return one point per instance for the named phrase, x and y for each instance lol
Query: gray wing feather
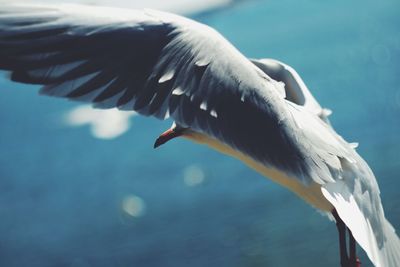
(161, 65)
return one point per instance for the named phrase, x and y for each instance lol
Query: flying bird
(168, 66)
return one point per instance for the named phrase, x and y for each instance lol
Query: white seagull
(164, 65)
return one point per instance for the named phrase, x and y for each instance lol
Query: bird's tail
(358, 204)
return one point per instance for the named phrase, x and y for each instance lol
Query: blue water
(61, 190)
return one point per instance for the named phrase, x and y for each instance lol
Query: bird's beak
(168, 135)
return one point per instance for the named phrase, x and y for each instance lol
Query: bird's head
(171, 133)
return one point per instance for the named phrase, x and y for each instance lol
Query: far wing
(295, 89)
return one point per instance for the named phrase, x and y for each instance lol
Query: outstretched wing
(157, 64)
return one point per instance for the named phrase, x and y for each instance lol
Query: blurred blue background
(68, 199)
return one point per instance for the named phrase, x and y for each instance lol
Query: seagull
(167, 66)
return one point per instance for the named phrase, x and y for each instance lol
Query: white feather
(366, 222)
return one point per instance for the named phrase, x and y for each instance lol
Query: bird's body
(159, 64)
(311, 193)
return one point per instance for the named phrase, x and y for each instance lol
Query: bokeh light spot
(133, 206)
(104, 124)
(193, 175)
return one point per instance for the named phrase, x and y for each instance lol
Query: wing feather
(349, 185)
(157, 64)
